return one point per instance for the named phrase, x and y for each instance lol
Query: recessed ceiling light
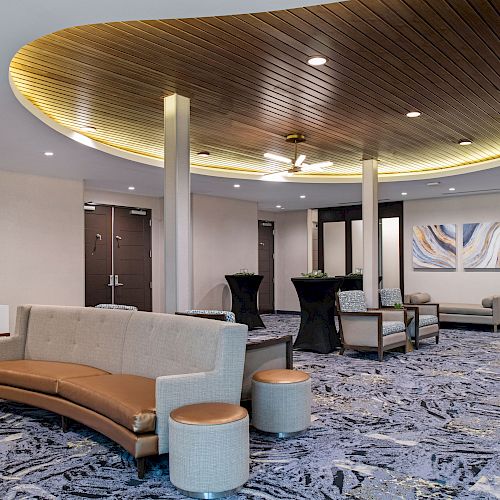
(271, 156)
(413, 114)
(48, 153)
(204, 153)
(89, 129)
(278, 206)
(236, 186)
(404, 194)
(464, 142)
(131, 188)
(282, 208)
(451, 189)
(302, 196)
(433, 183)
(316, 61)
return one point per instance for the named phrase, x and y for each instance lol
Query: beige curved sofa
(120, 372)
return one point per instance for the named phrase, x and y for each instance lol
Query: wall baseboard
(293, 313)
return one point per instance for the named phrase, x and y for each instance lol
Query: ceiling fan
(297, 164)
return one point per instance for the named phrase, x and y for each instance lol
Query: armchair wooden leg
(495, 328)
(380, 354)
(65, 423)
(437, 339)
(417, 342)
(341, 352)
(141, 467)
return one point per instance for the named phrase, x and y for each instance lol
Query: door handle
(111, 280)
(117, 281)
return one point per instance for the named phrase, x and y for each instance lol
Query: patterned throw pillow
(352, 301)
(390, 296)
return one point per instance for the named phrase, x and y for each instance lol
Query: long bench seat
(120, 372)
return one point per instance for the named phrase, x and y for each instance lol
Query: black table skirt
(317, 332)
(244, 299)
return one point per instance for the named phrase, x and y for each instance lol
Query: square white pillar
(370, 231)
(177, 205)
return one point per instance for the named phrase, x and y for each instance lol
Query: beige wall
(156, 207)
(459, 285)
(224, 241)
(41, 241)
(291, 246)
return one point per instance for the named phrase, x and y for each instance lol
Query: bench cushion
(42, 376)
(474, 309)
(128, 400)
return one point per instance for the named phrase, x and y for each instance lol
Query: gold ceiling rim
(229, 168)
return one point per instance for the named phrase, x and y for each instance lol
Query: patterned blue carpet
(417, 426)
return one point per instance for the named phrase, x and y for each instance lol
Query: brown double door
(266, 266)
(118, 256)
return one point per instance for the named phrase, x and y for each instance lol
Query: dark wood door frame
(354, 212)
(266, 269)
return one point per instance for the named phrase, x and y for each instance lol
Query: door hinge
(151, 285)
(151, 254)
(150, 223)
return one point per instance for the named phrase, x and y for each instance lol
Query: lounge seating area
(249, 250)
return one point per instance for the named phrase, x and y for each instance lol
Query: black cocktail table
(317, 332)
(244, 290)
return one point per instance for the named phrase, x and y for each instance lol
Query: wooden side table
(4, 334)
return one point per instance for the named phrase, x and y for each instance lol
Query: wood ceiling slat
(249, 84)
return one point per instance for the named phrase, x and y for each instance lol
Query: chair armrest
(375, 313)
(496, 309)
(174, 391)
(427, 308)
(394, 315)
(11, 348)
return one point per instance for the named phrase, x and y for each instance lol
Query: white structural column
(177, 205)
(370, 231)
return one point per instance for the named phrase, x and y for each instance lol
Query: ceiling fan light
(282, 159)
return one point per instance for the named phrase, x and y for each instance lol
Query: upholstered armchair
(425, 317)
(363, 329)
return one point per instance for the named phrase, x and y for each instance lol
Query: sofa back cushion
(181, 344)
(81, 335)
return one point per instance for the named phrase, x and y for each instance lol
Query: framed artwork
(435, 247)
(481, 245)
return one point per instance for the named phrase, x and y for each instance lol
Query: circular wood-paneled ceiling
(250, 84)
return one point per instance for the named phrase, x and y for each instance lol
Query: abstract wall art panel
(481, 246)
(435, 247)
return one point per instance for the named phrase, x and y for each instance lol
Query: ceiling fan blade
(316, 167)
(281, 159)
(300, 160)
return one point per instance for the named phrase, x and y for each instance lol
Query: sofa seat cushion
(128, 400)
(475, 309)
(42, 376)
(427, 320)
(389, 327)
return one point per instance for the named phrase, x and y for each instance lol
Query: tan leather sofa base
(138, 445)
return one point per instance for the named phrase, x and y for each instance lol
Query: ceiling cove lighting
(451, 189)
(316, 61)
(302, 196)
(204, 153)
(48, 153)
(271, 156)
(413, 114)
(131, 188)
(464, 142)
(236, 186)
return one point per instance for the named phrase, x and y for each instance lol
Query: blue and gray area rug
(417, 426)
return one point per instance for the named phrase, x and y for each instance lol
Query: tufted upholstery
(390, 296)
(352, 301)
(230, 317)
(427, 319)
(120, 307)
(390, 327)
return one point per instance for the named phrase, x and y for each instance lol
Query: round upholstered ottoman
(281, 401)
(208, 449)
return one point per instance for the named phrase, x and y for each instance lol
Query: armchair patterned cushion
(366, 329)
(116, 306)
(425, 315)
(228, 315)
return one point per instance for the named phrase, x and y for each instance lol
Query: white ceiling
(23, 138)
